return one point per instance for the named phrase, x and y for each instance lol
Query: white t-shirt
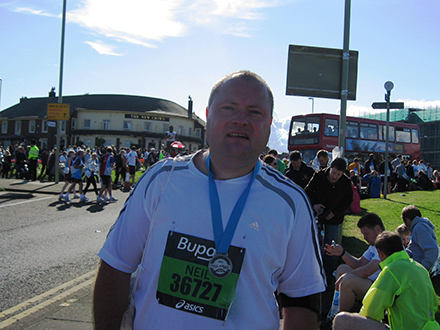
(370, 254)
(131, 157)
(276, 229)
(171, 136)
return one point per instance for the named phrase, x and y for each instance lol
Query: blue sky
(174, 48)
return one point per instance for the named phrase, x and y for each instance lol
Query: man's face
(335, 175)
(370, 234)
(296, 164)
(323, 160)
(239, 119)
(407, 222)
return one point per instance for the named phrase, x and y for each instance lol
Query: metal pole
(60, 96)
(388, 87)
(313, 103)
(344, 80)
(386, 170)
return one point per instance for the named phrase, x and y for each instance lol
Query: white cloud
(421, 104)
(146, 22)
(133, 21)
(102, 48)
(279, 134)
(34, 12)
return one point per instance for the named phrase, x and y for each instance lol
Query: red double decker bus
(312, 132)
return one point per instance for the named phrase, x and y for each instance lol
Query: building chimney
(52, 92)
(190, 107)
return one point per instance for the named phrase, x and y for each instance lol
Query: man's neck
(223, 169)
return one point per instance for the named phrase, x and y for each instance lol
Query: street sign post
(384, 105)
(387, 105)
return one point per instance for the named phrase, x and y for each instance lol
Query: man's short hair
(249, 75)
(410, 212)
(340, 164)
(370, 220)
(295, 155)
(322, 153)
(388, 242)
(273, 152)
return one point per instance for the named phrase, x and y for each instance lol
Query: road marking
(83, 283)
(27, 201)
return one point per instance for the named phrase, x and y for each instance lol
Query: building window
(128, 144)
(180, 130)
(87, 142)
(127, 125)
(198, 132)
(106, 125)
(31, 126)
(43, 143)
(166, 127)
(63, 126)
(44, 126)
(73, 123)
(86, 123)
(17, 127)
(190, 131)
(4, 127)
(147, 126)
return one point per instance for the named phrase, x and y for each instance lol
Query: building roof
(37, 107)
(408, 114)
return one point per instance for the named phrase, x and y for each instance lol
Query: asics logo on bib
(200, 251)
(189, 307)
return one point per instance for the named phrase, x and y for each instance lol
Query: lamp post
(388, 87)
(313, 103)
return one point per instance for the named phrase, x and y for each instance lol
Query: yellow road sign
(58, 111)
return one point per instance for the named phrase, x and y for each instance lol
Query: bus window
(331, 127)
(368, 131)
(305, 125)
(403, 134)
(352, 130)
(415, 135)
(382, 133)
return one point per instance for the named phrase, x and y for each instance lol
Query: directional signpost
(384, 105)
(387, 105)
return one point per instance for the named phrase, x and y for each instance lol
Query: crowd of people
(79, 165)
(256, 237)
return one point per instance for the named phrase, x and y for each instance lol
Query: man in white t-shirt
(132, 159)
(171, 137)
(355, 277)
(193, 274)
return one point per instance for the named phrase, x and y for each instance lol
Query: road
(45, 243)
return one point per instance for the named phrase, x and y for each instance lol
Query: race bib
(185, 282)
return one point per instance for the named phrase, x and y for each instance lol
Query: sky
(171, 49)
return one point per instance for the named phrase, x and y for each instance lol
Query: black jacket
(336, 197)
(302, 176)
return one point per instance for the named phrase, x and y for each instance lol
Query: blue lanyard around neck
(223, 239)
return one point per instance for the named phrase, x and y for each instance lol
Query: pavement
(68, 307)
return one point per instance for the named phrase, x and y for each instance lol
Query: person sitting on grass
(403, 289)
(355, 277)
